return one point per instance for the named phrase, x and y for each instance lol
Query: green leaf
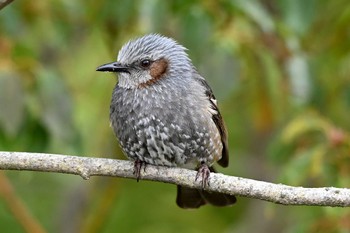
(56, 104)
(11, 103)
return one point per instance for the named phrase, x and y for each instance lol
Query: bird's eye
(145, 63)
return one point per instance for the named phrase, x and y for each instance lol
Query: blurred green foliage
(281, 72)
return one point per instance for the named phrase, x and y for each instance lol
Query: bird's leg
(137, 168)
(204, 173)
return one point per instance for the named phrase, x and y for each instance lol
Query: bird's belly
(155, 142)
(162, 131)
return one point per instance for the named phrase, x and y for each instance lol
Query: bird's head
(146, 60)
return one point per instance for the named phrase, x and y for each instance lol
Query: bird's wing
(217, 118)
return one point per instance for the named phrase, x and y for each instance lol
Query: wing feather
(217, 118)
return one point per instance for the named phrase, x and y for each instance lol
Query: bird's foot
(138, 164)
(204, 173)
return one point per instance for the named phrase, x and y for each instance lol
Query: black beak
(113, 67)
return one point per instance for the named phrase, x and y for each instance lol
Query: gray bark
(86, 167)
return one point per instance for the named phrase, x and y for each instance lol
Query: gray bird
(164, 113)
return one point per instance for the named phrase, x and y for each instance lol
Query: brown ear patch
(158, 68)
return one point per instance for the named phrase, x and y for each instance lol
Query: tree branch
(86, 167)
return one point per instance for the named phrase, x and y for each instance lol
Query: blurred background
(280, 70)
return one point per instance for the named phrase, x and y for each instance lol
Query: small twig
(86, 167)
(4, 3)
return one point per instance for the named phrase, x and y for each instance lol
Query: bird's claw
(138, 164)
(204, 173)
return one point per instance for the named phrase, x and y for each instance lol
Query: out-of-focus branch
(17, 207)
(4, 3)
(86, 167)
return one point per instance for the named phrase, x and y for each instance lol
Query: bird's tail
(189, 198)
